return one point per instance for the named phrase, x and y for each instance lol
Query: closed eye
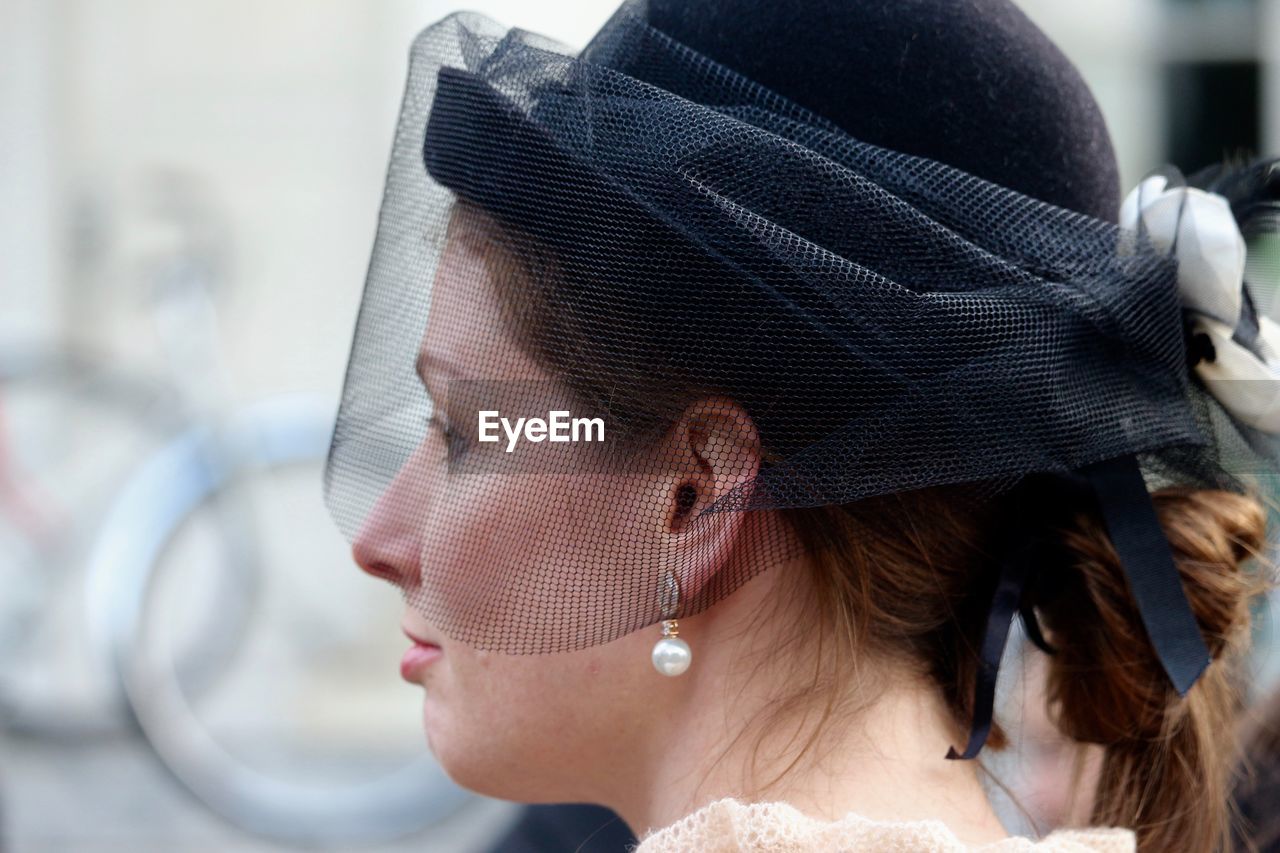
(452, 439)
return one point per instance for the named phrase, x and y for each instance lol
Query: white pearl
(672, 656)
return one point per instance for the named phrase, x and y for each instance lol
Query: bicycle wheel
(70, 431)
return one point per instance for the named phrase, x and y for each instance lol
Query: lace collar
(731, 826)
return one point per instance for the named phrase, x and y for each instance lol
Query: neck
(880, 754)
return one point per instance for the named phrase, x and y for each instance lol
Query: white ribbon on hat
(1206, 241)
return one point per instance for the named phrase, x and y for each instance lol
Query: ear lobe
(719, 448)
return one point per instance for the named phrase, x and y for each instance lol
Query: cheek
(525, 563)
(532, 563)
(530, 728)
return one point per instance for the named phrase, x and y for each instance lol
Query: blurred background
(188, 196)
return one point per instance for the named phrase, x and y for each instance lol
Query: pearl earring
(671, 655)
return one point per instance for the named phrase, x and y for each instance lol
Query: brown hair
(908, 577)
(923, 587)
(1169, 760)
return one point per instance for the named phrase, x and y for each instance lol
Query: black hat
(971, 83)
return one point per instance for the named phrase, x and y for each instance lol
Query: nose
(389, 544)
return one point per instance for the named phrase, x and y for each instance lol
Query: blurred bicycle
(169, 569)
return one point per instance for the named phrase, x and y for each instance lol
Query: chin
(465, 762)
(491, 767)
(498, 781)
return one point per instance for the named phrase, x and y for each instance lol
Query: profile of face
(499, 551)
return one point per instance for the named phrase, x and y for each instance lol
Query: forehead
(465, 323)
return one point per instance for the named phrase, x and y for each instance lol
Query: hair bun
(1106, 685)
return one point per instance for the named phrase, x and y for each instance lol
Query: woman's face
(503, 551)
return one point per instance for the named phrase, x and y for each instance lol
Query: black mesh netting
(742, 294)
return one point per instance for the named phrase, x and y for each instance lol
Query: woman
(807, 335)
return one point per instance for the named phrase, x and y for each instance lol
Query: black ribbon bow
(1115, 486)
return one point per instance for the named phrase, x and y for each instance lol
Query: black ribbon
(1008, 600)
(1116, 488)
(1148, 563)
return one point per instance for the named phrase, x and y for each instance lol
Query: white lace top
(731, 826)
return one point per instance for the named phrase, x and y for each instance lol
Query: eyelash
(450, 436)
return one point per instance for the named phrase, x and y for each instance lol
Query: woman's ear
(715, 449)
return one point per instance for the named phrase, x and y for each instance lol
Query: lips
(416, 660)
(420, 640)
(418, 657)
